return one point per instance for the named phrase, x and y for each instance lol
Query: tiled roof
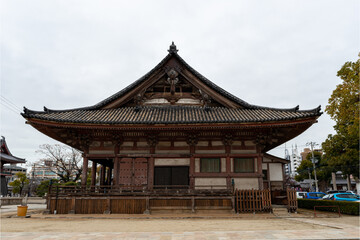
(171, 115)
(10, 159)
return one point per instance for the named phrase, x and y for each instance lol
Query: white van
(300, 194)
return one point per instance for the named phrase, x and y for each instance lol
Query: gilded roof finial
(172, 48)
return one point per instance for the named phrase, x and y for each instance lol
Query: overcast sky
(69, 54)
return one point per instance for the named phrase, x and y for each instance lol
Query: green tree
(342, 149)
(323, 170)
(43, 187)
(19, 183)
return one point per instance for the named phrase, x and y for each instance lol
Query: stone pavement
(333, 228)
(199, 235)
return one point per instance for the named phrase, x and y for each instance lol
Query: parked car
(314, 195)
(335, 191)
(350, 192)
(345, 197)
(327, 197)
(301, 194)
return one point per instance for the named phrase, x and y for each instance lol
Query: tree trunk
(333, 176)
(348, 182)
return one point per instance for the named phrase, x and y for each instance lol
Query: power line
(10, 108)
(10, 103)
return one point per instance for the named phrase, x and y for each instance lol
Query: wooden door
(140, 171)
(126, 171)
(133, 172)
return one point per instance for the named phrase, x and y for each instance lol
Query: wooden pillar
(259, 171)
(192, 166)
(151, 165)
(102, 175)
(228, 166)
(283, 176)
(152, 141)
(84, 171)
(116, 171)
(93, 173)
(108, 176)
(116, 164)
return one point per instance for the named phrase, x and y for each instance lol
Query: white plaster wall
(197, 164)
(181, 144)
(249, 143)
(223, 164)
(242, 151)
(156, 101)
(246, 183)
(141, 144)
(203, 143)
(127, 144)
(163, 144)
(172, 161)
(210, 181)
(275, 170)
(134, 151)
(217, 143)
(108, 144)
(95, 144)
(210, 151)
(101, 151)
(264, 166)
(185, 151)
(188, 101)
(236, 143)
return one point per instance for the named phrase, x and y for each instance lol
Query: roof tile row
(171, 115)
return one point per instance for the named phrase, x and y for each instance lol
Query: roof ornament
(205, 99)
(172, 80)
(172, 48)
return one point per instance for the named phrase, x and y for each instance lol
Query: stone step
(280, 211)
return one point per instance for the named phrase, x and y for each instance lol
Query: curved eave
(222, 125)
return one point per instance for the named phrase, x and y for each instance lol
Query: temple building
(174, 127)
(8, 167)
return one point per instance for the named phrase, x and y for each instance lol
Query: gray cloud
(67, 54)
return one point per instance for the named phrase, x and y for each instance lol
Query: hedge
(351, 208)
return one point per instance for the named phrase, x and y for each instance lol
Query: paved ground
(183, 226)
(13, 208)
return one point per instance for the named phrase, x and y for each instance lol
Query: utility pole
(312, 144)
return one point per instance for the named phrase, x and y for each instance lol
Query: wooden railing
(108, 190)
(292, 203)
(252, 201)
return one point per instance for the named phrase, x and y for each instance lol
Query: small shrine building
(174, 127)
(6, 157)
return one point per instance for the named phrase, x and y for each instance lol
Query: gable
(171, 83)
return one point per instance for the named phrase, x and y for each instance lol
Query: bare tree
(64, 161)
